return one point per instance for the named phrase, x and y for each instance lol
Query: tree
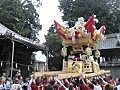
(20, 16)
(73, 9)
(114, 9)
(54, 45)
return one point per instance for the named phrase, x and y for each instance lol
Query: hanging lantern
(16, 65)
(31, 62)
(64, 51)
(97, 53)
(88, 51)
(1, 63)
(28, 68)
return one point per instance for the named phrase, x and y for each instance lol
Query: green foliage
(114, 9)
(85, 8)
(54, 45)
(21, 17)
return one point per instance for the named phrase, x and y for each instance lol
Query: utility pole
(47, 58)
(12, 58)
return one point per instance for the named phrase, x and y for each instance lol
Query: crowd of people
(101, 82)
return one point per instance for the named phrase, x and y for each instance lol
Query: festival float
(80, 55)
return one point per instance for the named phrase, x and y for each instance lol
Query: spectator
(109, 87)
(24, 84)
(34, 86)
(30, 82)
(118, 85)
(1, 85)
(48, 87)
(8, 84)
(16, 85)
(97, 85)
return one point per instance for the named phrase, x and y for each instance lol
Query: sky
(48, 12)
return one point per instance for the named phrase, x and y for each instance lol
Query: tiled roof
(110, 41)
(4, 31)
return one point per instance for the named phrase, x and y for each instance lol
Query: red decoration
(89, 26)
(102, 29)
(59, 30)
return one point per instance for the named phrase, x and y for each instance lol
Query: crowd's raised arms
(101, 82)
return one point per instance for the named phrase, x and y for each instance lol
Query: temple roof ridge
(4, 31)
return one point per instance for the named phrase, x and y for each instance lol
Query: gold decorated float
(78, 44)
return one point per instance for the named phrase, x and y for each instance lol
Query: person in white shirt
(1, 87)
(7, 84)
(96, 85)
(16, 86)
(117, 87)
(30, 82)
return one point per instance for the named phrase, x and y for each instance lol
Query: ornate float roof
(7, 33)
(83, 33)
